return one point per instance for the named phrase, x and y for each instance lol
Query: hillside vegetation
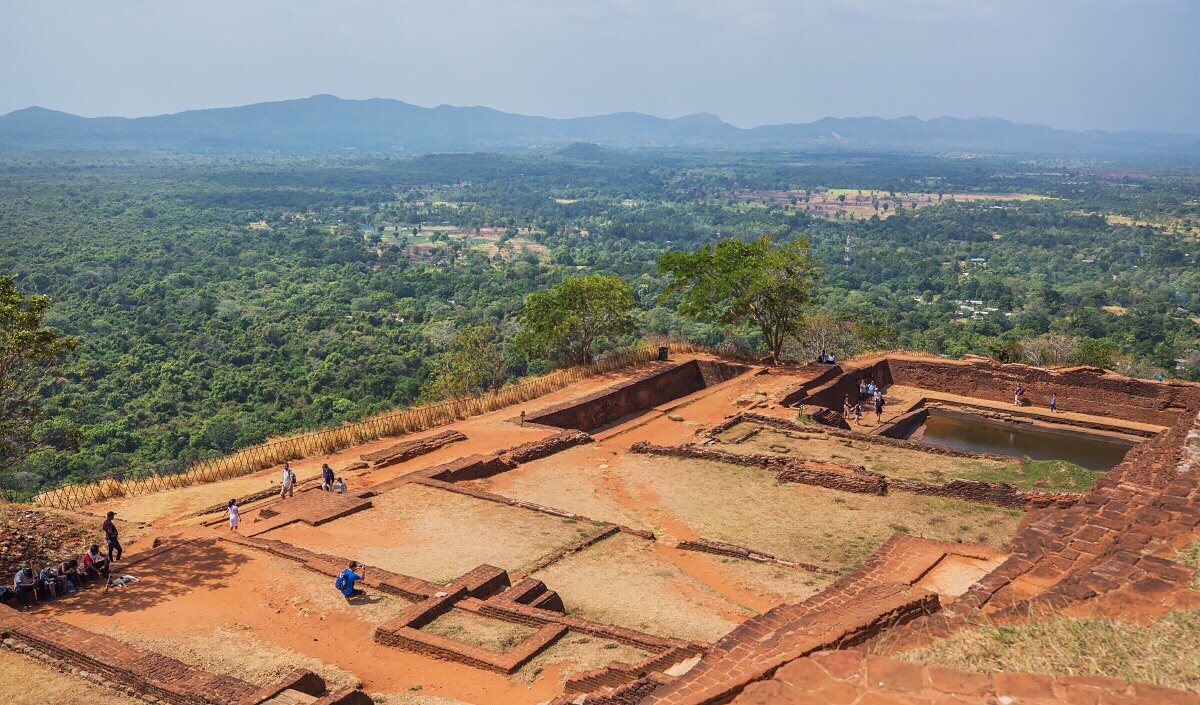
(221, 300)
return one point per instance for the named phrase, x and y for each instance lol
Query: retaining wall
(636, 395)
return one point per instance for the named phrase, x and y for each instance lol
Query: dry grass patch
(29, 682)
(477, 630)
(437, 535)
(578, 653)
(778, 583)
(573, 480)
(1163, 653)
(413, 699)
(622, 581)
(234, 650)
(802, 523)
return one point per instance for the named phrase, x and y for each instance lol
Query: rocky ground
(42, 536)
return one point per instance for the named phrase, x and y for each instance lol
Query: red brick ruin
(1113, 545)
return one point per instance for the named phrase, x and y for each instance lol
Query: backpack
(340, 583)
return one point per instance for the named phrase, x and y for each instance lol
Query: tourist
(339, 486)
(69, 570)
(846, 406)
(48, 582)
(832, 359)
(346, 580)
(878, 408)
(871, 388)
(287, 482)
(1018, 394)
(25, 584)
(234, 515)
(862, 389)
(1159, 376)
(522, 417)
(821, 358)
(858, 414)
(94, 565)
(1054, 403)
(110, 535)
(326, 478)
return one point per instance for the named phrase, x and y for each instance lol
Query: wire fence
(331, 440)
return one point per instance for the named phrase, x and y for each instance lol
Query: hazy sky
(1110, 64)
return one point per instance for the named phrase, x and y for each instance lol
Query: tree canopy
(566, 321)
(32, 358)
(755, 283)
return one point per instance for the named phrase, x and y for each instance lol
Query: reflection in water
(986, 435)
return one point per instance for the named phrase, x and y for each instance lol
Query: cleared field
(802, 523)
(574, 480)
(623, 581)
(437, 535)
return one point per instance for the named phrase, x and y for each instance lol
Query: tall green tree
(473, 362)
(755, 283)
(32, 358)
(565, 321)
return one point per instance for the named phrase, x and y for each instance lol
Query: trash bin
(662, 354)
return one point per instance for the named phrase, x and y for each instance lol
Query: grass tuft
(1163, 653)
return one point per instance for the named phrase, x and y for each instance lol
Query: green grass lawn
(1044, 475)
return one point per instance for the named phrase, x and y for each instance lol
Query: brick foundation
(407, 450)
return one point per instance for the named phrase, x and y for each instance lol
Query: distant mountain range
(327, 124)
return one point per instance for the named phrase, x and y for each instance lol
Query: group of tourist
(346, 580)
(68, 576)
(329, 483)
(824, 359)
(868, 393)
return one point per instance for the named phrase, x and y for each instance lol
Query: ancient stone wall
(1084, 389)
(407, 450)
(640, 394)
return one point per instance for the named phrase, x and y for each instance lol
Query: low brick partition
(859, 479)
(596, 536)
(786, 425)
(486, 591)
(854, 676)
(619, 675)
(836, 477)
(399, 585)
(407, 450)
(721, 548)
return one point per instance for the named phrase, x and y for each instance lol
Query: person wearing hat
(110, 534)
(25, 584)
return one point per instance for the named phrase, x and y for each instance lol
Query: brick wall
(640, 394)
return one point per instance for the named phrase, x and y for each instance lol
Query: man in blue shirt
(346, 580)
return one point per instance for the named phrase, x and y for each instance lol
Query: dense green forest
(219, 301)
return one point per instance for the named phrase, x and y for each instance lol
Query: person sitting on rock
(69, 570)
(50, 583)
(339, 485)
(95, 566)
(346, 580)
(26, 585)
